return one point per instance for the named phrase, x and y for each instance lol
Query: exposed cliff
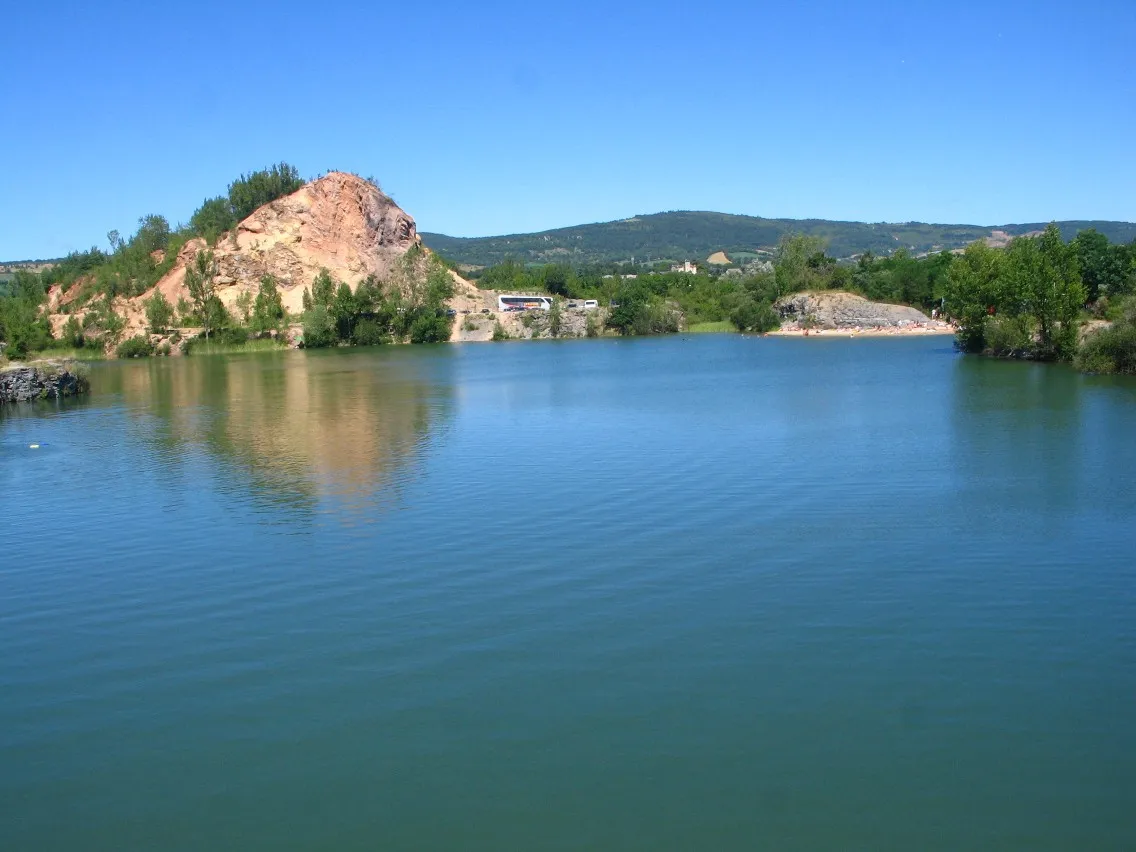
(339, 222)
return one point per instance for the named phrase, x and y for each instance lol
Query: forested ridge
(695, 235)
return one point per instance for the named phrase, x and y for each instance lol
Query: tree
(1058, 294)
(248, 192)
(153, 234)
(213, 218)
(555, 318)
(323, 289)
(159, 312)
(800, 264)
(243, 304)
(267, 309)
(319, 328)
(202, 291)
(972, 281)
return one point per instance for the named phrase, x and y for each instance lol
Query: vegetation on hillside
(693, 235)
(410, 308)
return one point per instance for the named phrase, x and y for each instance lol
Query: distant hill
(695, 235)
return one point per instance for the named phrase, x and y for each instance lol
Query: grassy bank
(213, 347)
(711, 327)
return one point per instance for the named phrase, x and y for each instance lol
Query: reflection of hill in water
(297, 425)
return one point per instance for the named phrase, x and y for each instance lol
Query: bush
(1008, 335)
(319, 328)
(1109, 350)
(428, 328)
(135, 347)
(231, 335)
(499, 332)
(752, 315)
(369, 332)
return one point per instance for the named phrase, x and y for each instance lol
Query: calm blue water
(657, 594)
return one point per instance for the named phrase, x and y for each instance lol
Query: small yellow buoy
(33, 446)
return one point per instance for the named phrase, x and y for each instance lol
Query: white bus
(524, 302)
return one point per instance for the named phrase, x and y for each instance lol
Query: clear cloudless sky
(487, 117)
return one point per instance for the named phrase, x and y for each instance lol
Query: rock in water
(41, 380)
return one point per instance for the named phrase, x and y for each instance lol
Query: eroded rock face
(847, 310)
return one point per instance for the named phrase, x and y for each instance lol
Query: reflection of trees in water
(294, 426)
(1018, 430)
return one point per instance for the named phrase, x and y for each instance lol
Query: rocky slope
(340, 222)
(835, 310)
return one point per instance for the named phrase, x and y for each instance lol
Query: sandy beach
(915, 330)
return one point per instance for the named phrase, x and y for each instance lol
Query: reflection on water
(290, 428)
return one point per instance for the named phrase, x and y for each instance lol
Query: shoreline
(872, 331)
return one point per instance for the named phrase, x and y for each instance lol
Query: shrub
(752, 315)
(428, 328)
(369, 332)
(499, 332)
(319, 328)
(135, 347)
(231, 335)
(1008, 335)
(1109, 350)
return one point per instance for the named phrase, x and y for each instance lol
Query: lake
(711, 592)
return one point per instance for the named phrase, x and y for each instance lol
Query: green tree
(319, 328)
(248, 192)
(1056, 294)
(202, 291)
(159, 312)
(214, 217)
(268, 308)
(972, 283)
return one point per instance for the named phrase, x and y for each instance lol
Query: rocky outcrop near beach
(837, 310)
(41, 380)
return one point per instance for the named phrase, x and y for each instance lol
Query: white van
(590, 303)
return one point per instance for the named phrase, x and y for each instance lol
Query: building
(685, 266)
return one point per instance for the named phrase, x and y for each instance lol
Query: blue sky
(486, 118)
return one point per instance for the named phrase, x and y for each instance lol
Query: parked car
(486, 311)
(450, 312)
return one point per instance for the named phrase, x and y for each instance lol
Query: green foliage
(72, 334)
(499, 332)
(319, 328)
(159, 313)
(1106, 269)
(1008, 335)
(1033, 288)
(750, 314)
(135, 347)
(1112, 349)
(972, 293)
(268, 308)
(22, 328)
(214, 217)
(370, 332)
(202, 291)
(248, 192)
(555, 318)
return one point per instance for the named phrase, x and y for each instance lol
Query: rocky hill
(340, 222)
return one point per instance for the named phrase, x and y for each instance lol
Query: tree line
(1030, 298)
